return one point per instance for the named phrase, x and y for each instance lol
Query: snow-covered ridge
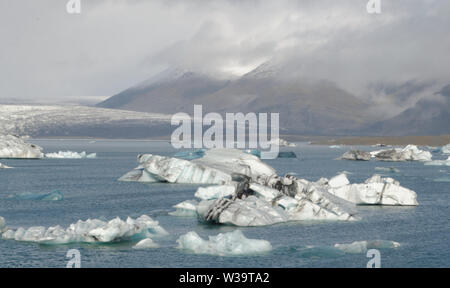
(31, 120)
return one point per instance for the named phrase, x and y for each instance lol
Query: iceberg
(186, 208)
(90, 231)
(356, 155)
(409, 153)
(2, 166)
(375, 191)
(70, 155)
(146, 243)
(217, 166)
(446, 149)
(53, 196)
(280, 199)
(362, 246)
(12, 146)
(248, 192)
(224, 244)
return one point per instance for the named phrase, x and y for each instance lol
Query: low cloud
(49, 54)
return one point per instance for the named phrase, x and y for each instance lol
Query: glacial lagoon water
(91, 190)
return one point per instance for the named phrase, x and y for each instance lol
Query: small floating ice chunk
(224, 244)
(362, 246)
(186, 208)
(356, 155)
(70, 155)
(2, 166)
(146, 243)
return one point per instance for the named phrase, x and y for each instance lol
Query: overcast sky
(47, 54)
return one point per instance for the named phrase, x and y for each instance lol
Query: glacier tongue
(15, 147)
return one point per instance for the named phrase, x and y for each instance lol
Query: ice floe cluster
(70, 155)
(89, 231)
(223, 244)
(16, 147)
(247, 192)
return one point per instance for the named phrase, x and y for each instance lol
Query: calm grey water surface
(91, 190)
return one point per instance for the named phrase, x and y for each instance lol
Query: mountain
(305, 106)
(427, 117)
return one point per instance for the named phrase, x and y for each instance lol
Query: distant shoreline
(438, 140)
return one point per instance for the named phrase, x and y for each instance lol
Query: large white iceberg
(217, 166)
(273, 200)
(70, 155)
(89, 231)
(374, 191)
(409, 153)
(224, 244)
(12, 146)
